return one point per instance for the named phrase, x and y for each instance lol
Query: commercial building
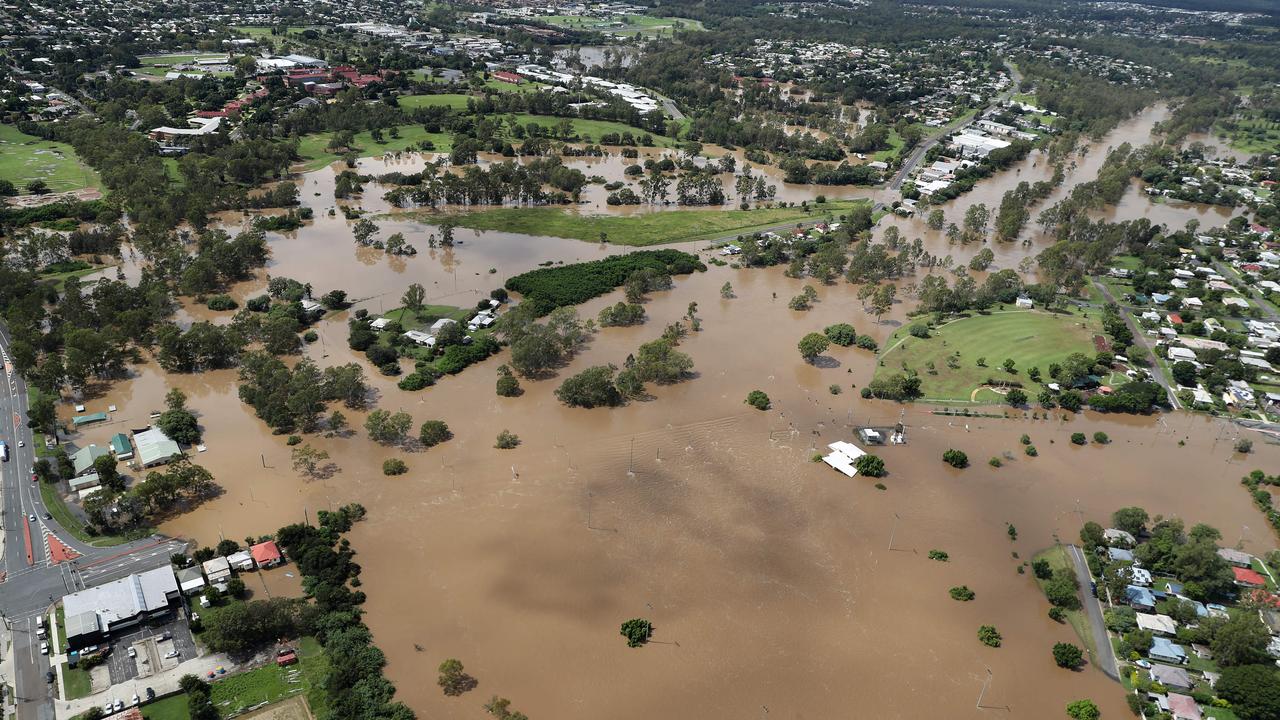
(95, 613)
(154, 447)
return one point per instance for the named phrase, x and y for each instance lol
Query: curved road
(1105, 659)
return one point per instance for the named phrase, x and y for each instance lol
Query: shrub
(955, 458)
(866, 342)
(222, 302)
(1067, 656)
(637, 631)
(961, 593)
(415, 381)
(434, 432)
(1016, 398)
(293, 440)
(813, 345)
(758, 400)
(1057, 614)
(995, 462)
(1244, 445)
(869, 466)
(989, 636)
(1101, 438)
(1083, 710)
(508, 385)
(1031, 451)
(1025, 439)
(939, 555)
(1078, 438)
(506, 440)
(841, 334)
(310, 336)
(834, 389)
(919, 330)
(394, 466)
(590, 388)
(1041, 568)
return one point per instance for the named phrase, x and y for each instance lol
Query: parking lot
(153, 652)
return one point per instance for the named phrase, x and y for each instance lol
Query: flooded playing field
(778, 587)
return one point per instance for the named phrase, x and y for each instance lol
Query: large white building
(98, 611)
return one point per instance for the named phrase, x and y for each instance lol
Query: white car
(133, 653)
(119, 705)
(22, 443)
(171, 654)
(135, 700)
(44, 648)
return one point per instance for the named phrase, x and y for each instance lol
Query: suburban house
(1165, 650)
(96, 612)
(240, 561)
(1236, 557)
(190, 580)
(1157, 624)
(218, 570)
(1120, 555)
(420, 338)
(1114, 536)
(1171, 677)
(1248, 577)
(1024, 302)
(267, 554)
(1183, 707)
(1139, 576)
(1140, 598)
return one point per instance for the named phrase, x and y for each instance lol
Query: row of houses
(95, 614)
(153, 448)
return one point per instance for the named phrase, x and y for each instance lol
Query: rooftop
(125, 598)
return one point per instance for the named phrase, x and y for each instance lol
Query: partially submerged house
(842, 456)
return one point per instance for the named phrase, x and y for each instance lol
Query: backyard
(655, 228)
(1031, 338)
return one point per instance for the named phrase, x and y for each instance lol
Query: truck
(4, 451)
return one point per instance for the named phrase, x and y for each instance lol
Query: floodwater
(778, 587)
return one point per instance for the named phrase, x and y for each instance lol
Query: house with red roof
(510, 77)
(1183, 707)
(267, 554)
(1175, 319)
(1248, 577)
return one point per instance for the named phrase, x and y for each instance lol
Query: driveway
(1106, 656)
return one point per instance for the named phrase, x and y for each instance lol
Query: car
(151, 694)
(32, 517)
(48, 676)
(34, 477)
(44, 648)
(47, 516)
(135, 700)
(133, 653)
(119, 705)
(167, 635)
(22, 443)
(1142, 664)
(107, 709)
(171, 654)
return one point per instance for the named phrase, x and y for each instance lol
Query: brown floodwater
(770, 579)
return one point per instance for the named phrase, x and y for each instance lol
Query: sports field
(623, 25)
(1031, 338)
(449, 100)
(24, 158)
(313, 148)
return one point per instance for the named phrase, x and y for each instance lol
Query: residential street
(1106, 657)
(1140, 337)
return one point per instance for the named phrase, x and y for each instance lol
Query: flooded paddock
(771, 580)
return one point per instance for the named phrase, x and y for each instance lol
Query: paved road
(1106, 657)
(1140, 336)
(31, 583)
(923, 147)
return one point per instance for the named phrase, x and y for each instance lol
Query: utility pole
(984, 689)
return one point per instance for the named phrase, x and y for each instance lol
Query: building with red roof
(1248, 577)
(267, 554)
(510, 77)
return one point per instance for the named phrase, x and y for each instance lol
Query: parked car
(151, 694)
(48, 676)
(133, 653)
(1142, 664)
(44, 648)
(135, 700)
(119, 705)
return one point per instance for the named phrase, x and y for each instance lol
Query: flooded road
(770, 579)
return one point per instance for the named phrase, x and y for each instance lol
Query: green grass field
(1032, 338)
(258, 31)
(1253, 135)
(233, 693)
(589, 130)
(626, 25)
(314, 155)
(455, 101)
(24, 158)
(653, 228)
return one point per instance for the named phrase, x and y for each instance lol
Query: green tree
(1252, 690)
(180, 425)
(955, 458)
(1092, 536)
(989, 636)
(1083, 710)
(637, 631)
(414, 297)
(1016, 398)
(758, 400)
(962, 593)
(869, 466)
(1067, 656)
(387, 427)
(306, 459)
(434, 432)
(454, 679)
(394, 466)
(841, 334)
(593, 387)
(506, 440)
(1242, 640)
(813, 345)
(108, 474)
(1132, 520)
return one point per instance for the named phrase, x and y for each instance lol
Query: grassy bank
(54, 503)
(653, 228)
(588, 130)
(1057, 558)
(232, 694)
(1031, 338)
(77, 682)
(24, 158)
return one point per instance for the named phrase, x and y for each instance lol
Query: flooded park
(777, 587)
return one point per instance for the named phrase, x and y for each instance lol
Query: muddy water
(770, 579)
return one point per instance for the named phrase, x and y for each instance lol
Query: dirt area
(295, 708)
